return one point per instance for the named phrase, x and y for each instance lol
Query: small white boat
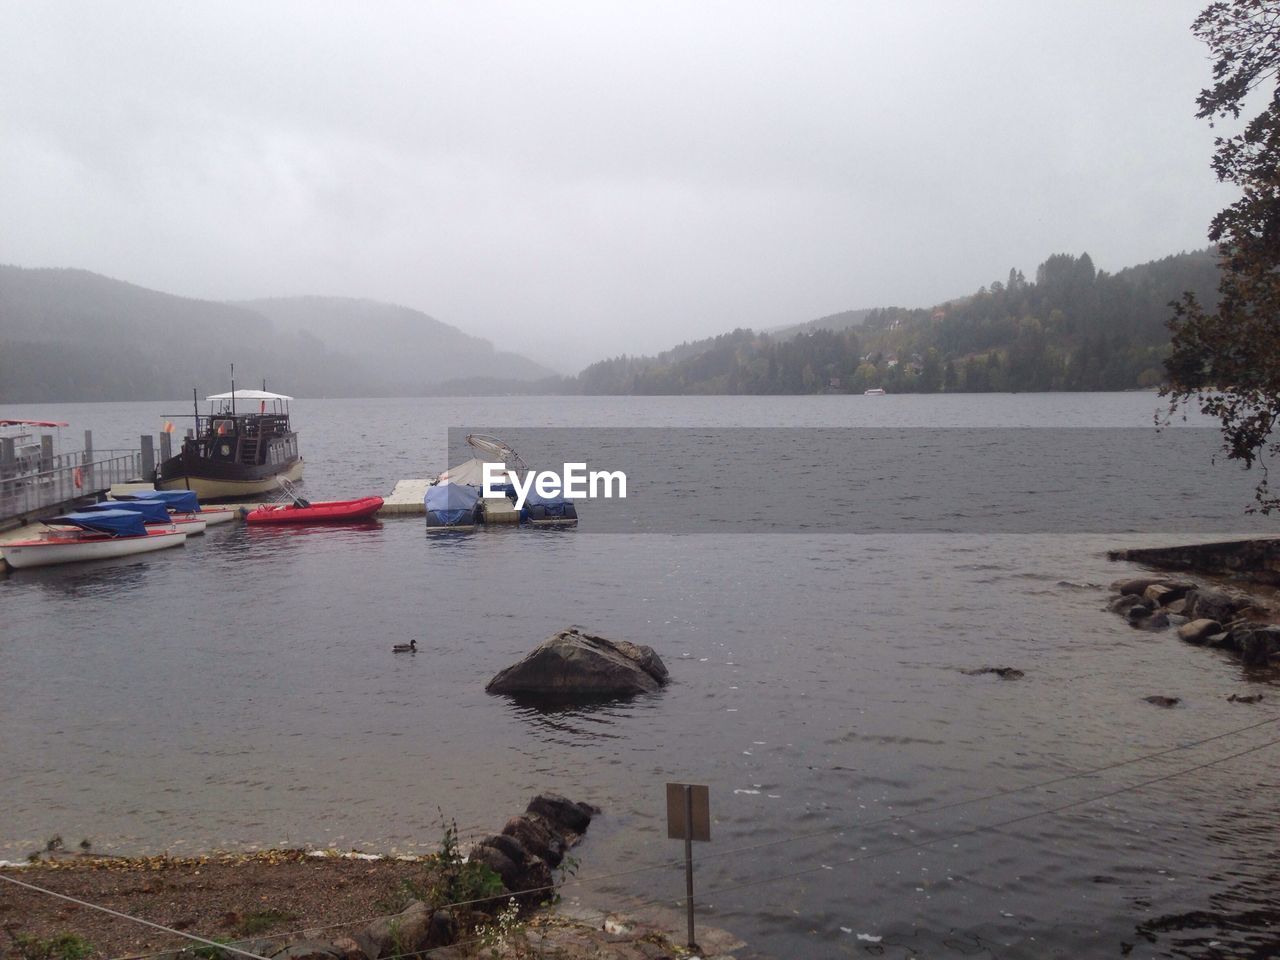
(874, 392)
(99, 535)
(213, 515)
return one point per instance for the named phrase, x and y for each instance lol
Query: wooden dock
(407, 498)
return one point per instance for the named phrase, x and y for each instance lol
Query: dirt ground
(216, 897)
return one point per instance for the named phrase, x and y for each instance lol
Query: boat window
(223, 428)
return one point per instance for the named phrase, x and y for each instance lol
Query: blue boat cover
(448, 503)
(536, 500)
(118, 523)
(181, 501)
(537, 507)
(150, 510)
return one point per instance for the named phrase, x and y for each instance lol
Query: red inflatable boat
(332, 511)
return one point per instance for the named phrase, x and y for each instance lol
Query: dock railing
(27, 489)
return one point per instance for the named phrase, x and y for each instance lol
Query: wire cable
(984, 828)
(125, 916)
(797, 838)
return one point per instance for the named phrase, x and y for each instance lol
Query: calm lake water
(241, 692)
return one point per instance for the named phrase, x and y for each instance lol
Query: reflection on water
(242, 690)
(571, 719)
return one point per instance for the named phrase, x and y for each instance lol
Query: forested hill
(72, 335)
(1072, 327)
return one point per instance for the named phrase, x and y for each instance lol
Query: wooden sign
(693, 810)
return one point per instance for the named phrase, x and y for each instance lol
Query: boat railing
(61, 479)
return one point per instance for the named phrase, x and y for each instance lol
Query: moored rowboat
(332, 511)
(92, 536)
(153, 513)
(181, 503)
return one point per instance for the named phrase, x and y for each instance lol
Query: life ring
(78, 477)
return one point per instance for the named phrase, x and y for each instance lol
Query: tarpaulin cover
(448, 503)
(119, 523)
(534, 499)
(150, 510)
(555, 506)
(180, 501)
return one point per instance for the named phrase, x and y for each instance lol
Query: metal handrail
(62, 479)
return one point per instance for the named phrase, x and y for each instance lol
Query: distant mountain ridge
(1072, 327)
(73, 335)
(835, 321)
(405, 345)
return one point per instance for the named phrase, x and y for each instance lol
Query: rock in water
(562, 813)
(576, 663)
(1203, 603)
(1004, 673)
(1197, 631)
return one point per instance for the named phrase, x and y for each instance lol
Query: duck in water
(410, 647)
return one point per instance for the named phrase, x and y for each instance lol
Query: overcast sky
(576, 180)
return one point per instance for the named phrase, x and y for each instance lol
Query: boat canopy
(450, 502)
(149, 510)
(118, 523)
(470, 473)
(33, 423)
(180, 501)
(248, 395)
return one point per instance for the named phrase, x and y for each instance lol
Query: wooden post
(148, 456)
(688, 860)
(166, 447)
(86, 460)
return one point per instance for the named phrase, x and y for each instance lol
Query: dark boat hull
(213, 480)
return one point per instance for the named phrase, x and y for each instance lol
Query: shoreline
(299, 904)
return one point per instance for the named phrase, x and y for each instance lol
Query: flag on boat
(168, 426)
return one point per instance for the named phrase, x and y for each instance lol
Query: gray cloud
(575, 180)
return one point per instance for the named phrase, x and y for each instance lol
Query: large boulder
(576, 663)
(1204, 603)
(1135, 586)
(564, 814)
(524, 874)
(406, 931)
(1259, 645)
(1198, 631)
(537, 836)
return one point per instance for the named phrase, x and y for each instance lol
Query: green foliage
(1073, 328)
(1226, 360)
(457, 880)
(61, 946)
(207, 952)
(260, 920)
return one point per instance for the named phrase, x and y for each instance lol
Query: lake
(241, 692)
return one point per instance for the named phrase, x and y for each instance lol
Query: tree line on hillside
(1071, 328)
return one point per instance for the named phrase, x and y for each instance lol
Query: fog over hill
(405, 346)
(72, 335)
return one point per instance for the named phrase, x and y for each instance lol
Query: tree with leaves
(1227, 360)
